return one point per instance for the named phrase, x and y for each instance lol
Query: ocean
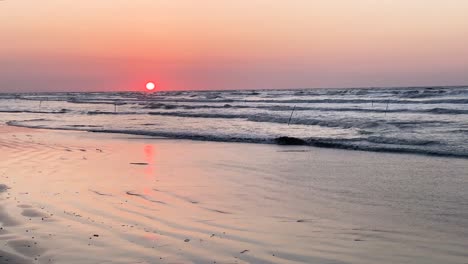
(421, 120)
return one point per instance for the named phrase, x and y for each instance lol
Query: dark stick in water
(289, 121)
(386, 109)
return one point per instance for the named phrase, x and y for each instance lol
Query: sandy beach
(78, 197)
(233, 132)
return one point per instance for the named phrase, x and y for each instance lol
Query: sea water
(424, 120)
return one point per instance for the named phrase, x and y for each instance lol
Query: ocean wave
(447, 111)
(274, 108)
(62, 111)
(412, 119)
(356, 101)
(389, 145)
(393, 148)
(322, 101)
(433, 92)
(342, 122)
(409, 95)
(401, 141)
(392, 145)
(113, 113)
(437, 110)
(324, 122)
(114, 102)
(270, 119)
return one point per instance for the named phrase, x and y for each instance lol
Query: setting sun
(150, 86)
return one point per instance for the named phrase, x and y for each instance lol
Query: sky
(109, 45)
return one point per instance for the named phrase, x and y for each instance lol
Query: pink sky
(184, 44)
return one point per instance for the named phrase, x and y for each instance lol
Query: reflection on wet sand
(200, 202)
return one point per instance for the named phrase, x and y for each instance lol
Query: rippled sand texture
(75, 197)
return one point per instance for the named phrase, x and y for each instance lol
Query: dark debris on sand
(290, 141)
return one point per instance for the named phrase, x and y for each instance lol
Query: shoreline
(78, 197)
(280, 141)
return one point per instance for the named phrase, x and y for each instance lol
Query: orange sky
(184, 44)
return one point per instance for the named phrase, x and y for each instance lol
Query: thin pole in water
(386, 109)
(289, 121)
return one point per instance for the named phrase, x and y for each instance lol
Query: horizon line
(249, 89)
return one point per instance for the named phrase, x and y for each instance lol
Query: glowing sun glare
(150, 86)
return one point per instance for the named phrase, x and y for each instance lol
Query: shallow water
(427, 120)
(175, 201)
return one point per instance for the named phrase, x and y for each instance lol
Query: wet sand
(75, 197)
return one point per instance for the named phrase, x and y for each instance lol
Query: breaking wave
(393, 145)
(424, 120)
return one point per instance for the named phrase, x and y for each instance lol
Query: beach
(233, 132)
(81, 197)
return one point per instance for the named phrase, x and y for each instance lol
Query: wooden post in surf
(386, 109)
(289, 121)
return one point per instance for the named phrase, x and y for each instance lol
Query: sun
(150, 86)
